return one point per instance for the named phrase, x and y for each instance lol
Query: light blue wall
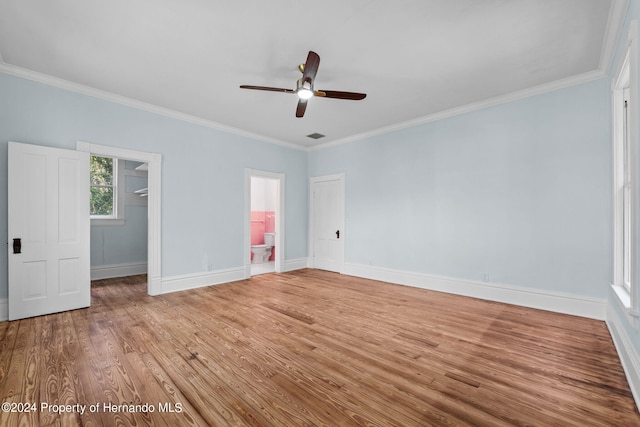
(121, 244)
(126, 243)
(520, 191)
(202, 175)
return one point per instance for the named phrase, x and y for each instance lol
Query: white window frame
(118, 197)
(625, 175)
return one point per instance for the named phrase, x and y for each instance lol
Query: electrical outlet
(486, 277)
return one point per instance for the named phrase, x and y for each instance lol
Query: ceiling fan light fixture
(304, 90)
(305, 93)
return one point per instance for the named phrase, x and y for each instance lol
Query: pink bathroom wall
(262, 222)
(269, 222)
(257, 227)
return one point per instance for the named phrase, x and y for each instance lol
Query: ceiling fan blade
(311, 67)
(270, 89)
(340, 95)
(302, 106)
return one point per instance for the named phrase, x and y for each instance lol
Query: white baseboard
(295, 264)
(4, 309)
(629, 357)
(117, 270)
(199, 280)
(593, 308)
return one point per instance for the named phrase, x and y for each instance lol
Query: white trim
(468, 108)
(629, 357)
(560, 302)
(280, 221)
(130, 102)
(503, 99)
(106, 222)
(615, 22)
(154, 233)
(296, 264)
(193, 281)
(624, 298)
(185, 282)
(117, 270)
(4, 309)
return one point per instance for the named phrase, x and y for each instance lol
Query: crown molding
(130, 102)
(475, 106)
(122, 100)
(615, 23)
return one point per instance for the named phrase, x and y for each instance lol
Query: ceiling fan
(304, 86)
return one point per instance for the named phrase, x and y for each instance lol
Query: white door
(48, 228)
(327, 217)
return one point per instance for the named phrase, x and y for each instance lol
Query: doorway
(153, 163)
(118, 211)
(264, 222)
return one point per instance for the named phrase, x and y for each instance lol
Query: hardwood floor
(309, 348)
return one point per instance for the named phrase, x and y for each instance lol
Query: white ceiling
(415, 59)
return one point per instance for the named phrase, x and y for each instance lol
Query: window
(103, 186)
(626, 193)
(105, 205)
(626, 184)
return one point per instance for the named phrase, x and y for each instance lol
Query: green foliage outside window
(102, 189)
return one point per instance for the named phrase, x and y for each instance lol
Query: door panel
(49, 211)
(35, 285)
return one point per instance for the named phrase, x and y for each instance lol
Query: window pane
(101, 201)
(626, 238)
(101, 170)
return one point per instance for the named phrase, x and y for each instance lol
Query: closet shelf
(143, 192)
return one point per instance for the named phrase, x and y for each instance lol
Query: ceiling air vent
(315, 135)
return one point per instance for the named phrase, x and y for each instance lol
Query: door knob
(17, 246)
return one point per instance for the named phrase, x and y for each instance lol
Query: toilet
(261, 253)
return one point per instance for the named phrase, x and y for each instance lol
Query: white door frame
(311, 249)
(154, 241)
(279, 240)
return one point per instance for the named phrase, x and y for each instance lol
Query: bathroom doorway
(264, 210)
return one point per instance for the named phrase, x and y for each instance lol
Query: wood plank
(312, 348)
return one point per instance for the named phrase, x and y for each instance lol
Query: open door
(48, 229)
